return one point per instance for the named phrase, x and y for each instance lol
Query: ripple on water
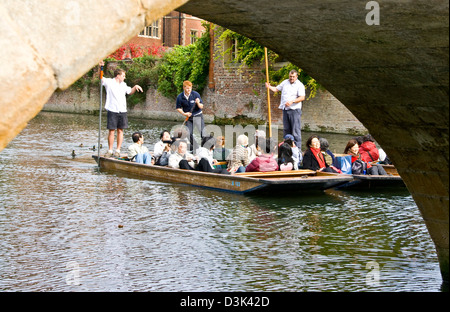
(65, 227)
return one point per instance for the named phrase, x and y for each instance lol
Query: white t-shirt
(290, 92)
(115, 95)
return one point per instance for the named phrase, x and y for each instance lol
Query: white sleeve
(280, 86)
(301, 90)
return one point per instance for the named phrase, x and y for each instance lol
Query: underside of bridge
(394, 77)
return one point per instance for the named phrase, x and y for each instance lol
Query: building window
(151, 31)
(231, 51)
(194, 36)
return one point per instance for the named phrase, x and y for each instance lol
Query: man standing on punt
(190, 105)
(116, 107)
(292, 96)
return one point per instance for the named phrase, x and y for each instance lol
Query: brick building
(173, 29)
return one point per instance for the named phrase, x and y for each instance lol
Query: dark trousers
(203, 165)
(195, 122)
(292, 124)
(376, 170)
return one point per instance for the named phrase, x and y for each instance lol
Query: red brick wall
(145, 42)
(192, 23)
(169, 31)
(240, 90)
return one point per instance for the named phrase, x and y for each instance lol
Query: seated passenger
(286, 161)
(205, 154)
(368, 150)
(352, 149)
(313, 158)
(265, 162)
(162, 150)
(137, 151)
(328, 155)
(180, 159)
(296, 153)
(238, 158)
(220, 152)
(384, 159)
(255, 149)
(161, 145)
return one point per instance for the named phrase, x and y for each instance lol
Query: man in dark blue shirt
(190, 105)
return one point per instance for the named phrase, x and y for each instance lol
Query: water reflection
(64, 226)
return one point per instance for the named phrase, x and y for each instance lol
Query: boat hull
(270, 183)
(371, 182)
(368, 182)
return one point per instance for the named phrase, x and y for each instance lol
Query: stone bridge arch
(394, 77)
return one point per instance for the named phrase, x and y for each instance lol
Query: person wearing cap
(292, 96)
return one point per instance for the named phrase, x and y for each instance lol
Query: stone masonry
(389, 66)
(393, 75)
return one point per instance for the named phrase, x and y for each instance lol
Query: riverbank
(323, 113)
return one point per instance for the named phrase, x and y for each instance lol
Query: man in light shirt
(292, 96)
(116, 107)
(138, 152)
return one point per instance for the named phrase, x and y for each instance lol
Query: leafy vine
(248, 52)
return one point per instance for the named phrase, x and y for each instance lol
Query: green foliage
(167, 74)
(140, 71)
(185, 63)
(248, 51)
(87, 80)
(277, 76)
(174, 68)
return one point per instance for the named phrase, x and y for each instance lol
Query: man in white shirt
(116, 107)
(292, 96)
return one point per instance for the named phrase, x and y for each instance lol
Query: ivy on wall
(185, 63)
(247, 52)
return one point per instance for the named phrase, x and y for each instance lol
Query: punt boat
(367, 182)
(268, 183)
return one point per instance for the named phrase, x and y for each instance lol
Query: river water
(65, 226)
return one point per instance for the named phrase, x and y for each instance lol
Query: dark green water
(64, 226)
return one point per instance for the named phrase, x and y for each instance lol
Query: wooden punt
(391, 180)
(272, 183)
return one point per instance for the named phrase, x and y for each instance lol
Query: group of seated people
(264, 155)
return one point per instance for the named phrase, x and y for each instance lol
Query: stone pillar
(49, 44)
(393, 75)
